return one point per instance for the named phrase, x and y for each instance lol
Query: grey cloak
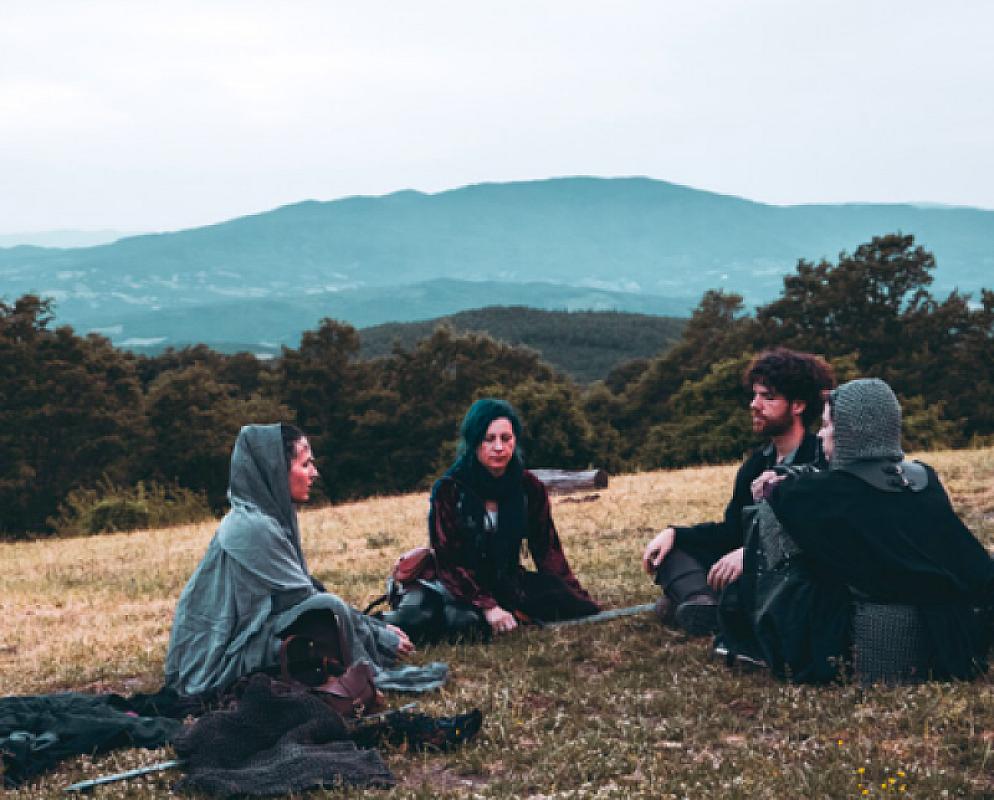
(253, 583)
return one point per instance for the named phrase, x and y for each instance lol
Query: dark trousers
(425, 616)
(546, 598)
(683, 575)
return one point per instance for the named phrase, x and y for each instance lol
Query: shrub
(110, 508)
(117, 514)
(925, 428)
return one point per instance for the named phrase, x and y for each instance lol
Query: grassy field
(625, 708)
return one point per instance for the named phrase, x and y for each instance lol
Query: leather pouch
(316, 653)
(352, 694)
(414, 564)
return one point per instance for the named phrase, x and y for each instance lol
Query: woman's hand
(501, 621)
(405, 647)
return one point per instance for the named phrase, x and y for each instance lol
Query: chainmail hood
(866, 419)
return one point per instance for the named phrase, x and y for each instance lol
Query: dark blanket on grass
(275, 741)
(38, 732)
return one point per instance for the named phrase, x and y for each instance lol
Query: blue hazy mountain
(631, 239)
(62, 238)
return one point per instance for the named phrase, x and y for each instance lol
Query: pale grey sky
(137, 115)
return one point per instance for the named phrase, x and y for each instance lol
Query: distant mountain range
(63, 238)
(632, 244)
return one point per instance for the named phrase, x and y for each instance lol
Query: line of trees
(76, 413)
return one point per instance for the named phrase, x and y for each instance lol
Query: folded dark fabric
(275, 741)
(419, 731)
(38, 732)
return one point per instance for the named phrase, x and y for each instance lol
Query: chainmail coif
(866, 419)
(274, 742)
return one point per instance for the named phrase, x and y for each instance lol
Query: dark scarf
(499, 550)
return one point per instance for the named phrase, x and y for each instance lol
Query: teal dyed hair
(477, 420)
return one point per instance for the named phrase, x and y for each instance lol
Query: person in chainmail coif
(878, 528)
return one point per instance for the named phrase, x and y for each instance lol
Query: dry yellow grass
(94, 614)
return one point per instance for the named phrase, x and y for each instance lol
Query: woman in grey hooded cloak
(253, 583)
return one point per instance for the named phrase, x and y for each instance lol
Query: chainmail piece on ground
(274, 742)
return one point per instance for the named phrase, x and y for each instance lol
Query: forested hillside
(78, 415)
(263, 326)
(586, 345)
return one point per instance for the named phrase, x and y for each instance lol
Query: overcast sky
(155, 116)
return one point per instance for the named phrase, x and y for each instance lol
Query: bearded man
(699, 565)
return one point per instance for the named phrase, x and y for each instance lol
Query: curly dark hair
(797, 376)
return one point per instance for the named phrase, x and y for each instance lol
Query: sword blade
(85, 786)
(603, 616)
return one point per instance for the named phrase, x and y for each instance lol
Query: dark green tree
(243, 370)
(408, 415)
(71, 411)
(320, 381)
(195, 419)
(719, 329)
(557, 431)
(705, 422)
(876, 304)
(867, 303)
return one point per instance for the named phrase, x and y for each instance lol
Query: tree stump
(564, 481)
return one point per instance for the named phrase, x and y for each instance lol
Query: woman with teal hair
(482, 510)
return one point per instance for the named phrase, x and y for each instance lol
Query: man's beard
(769, 427)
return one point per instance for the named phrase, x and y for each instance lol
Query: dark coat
(901, 547)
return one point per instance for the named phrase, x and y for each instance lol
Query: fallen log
(563, 481)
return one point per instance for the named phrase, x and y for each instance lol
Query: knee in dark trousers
(464, 622)
(547, 598)
(418, 612)
(683, 577)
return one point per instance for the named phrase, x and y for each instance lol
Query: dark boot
(685, 584)
(698, 616)
(664, 609)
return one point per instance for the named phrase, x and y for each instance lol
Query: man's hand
(763, 485)
(405, 647)
(501, 621)
(657, 550)
(725, 570)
